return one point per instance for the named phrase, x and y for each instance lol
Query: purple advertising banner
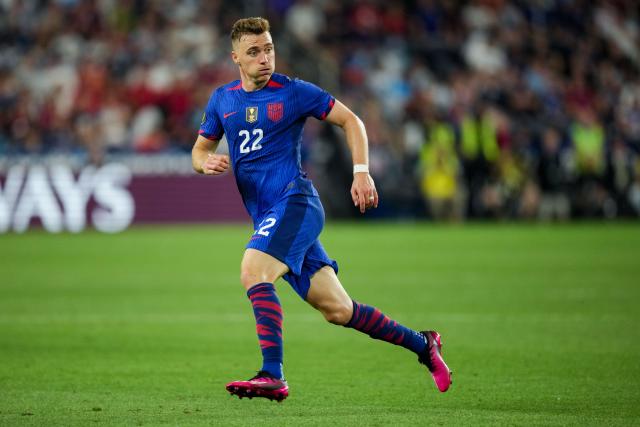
(62, 196)
(186, 199)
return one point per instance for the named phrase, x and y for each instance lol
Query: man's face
(255, 56)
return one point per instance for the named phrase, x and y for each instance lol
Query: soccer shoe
(432, 358)
(262, 385)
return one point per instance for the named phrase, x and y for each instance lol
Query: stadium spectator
(89, 78)
(553, 177)
(440, 173)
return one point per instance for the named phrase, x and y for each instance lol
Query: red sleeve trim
(208, 136)
(329, 108)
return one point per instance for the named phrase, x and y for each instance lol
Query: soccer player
(262, 115)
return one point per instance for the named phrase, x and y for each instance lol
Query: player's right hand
(215, 164)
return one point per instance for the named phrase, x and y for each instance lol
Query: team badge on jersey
(275, 111)
(252, 114)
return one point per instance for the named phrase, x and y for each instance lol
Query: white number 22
(244, 145)
(262, 229)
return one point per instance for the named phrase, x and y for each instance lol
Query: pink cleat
(262, 385)
(432, 358)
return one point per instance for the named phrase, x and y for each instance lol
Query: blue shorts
(289, 232)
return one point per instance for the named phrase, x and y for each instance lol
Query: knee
(252, 273)
(338, 314)
(258, 267)
(248, 277)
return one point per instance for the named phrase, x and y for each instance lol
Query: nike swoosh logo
(225, 115)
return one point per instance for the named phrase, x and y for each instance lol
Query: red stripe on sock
(382, 324)
(389, 336)
(361, 321)
(267, 344)
(264, 330)
(267, 304)
(374, 317)
(261, 295)
(275, 317)
(399, 339)
(260, 288)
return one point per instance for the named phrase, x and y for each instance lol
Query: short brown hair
(254, 25)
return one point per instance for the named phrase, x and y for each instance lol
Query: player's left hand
(363, 191)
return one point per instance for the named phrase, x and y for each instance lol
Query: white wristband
(360, 168)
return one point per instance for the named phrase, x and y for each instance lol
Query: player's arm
(204, 159)
(363, 189)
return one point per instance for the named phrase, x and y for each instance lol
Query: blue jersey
(264, 133)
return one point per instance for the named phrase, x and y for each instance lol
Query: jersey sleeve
(211, 128)
(313, 101)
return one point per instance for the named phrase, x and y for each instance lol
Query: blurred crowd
(474, 109)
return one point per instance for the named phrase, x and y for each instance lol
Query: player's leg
(258, 272)
(274, 249)
(327, 295)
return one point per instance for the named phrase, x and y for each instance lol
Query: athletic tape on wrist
(360, 168)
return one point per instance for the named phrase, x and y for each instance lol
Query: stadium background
(519, 112)
(475, 109)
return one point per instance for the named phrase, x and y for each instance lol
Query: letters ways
(61, 202)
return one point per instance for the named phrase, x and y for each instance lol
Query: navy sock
(266, 308)
(374, 323)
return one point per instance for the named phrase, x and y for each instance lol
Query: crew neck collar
(266, 85)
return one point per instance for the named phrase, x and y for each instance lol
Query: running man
(262, 115)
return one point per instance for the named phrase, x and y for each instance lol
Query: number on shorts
(262, 229)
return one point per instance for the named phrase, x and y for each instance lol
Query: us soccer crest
(275, 111)
(252, 114)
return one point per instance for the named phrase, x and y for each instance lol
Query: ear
(234, 57)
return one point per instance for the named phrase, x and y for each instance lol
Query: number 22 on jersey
(247, 145)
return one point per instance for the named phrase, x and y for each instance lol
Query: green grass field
(540, 324)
